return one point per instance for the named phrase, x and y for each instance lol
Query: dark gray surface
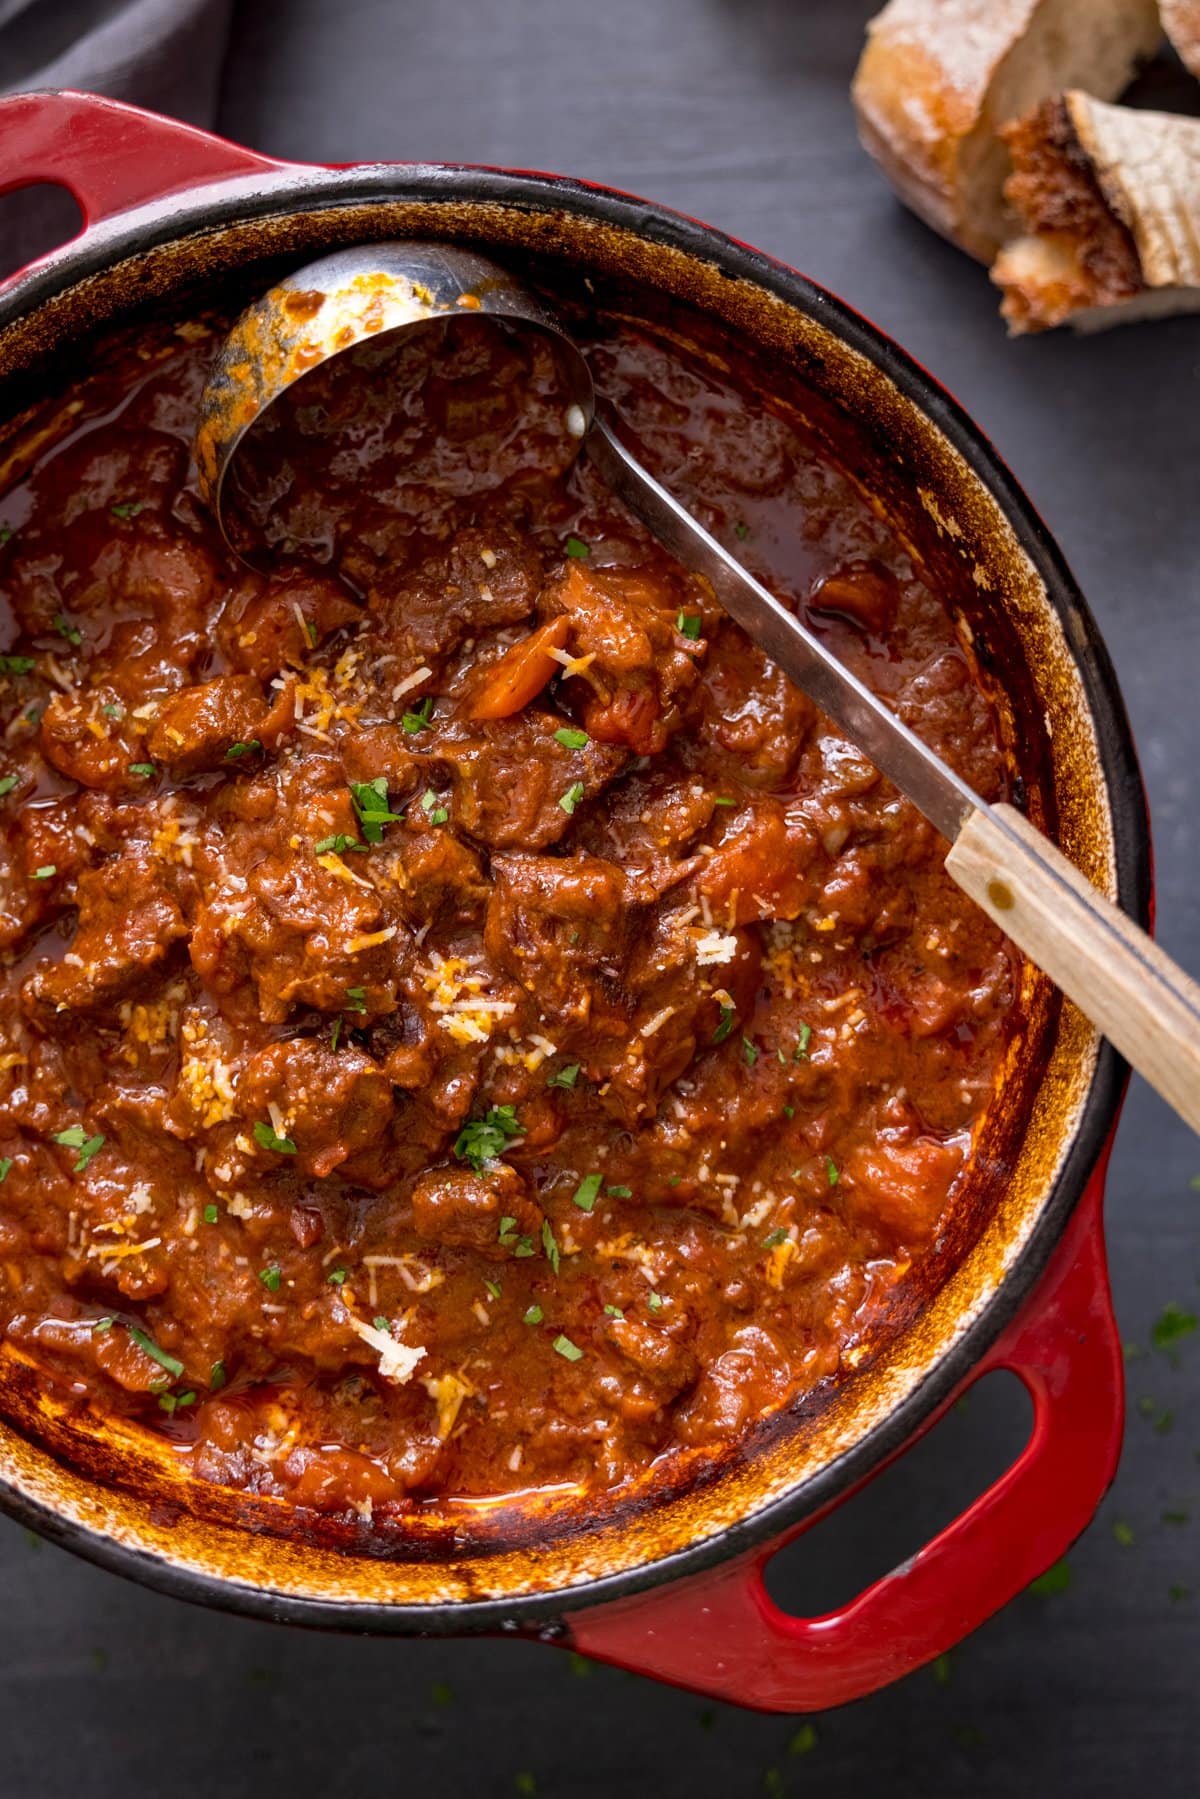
(736, 112)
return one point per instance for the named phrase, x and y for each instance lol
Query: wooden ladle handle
(1133, 992)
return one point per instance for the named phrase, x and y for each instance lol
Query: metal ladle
(1148, 1007)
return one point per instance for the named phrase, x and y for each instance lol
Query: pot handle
(721, 1634)
(109, 155)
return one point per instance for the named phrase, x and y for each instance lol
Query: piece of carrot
(521, 672)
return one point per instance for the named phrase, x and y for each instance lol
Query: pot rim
(310, 187)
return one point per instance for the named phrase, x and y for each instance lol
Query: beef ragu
(469, 1025)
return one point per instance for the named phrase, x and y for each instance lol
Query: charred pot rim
(52, 303)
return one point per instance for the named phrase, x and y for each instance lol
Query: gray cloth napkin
(164, 54)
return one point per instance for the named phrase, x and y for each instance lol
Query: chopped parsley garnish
(65, 628)
(6, 1163)
(211, 1213)
(655, 1302)
(493, 1288)
(382, 1324)
(571, 797)
(571, 738)
(6, 532)
(113, 711)
(750, 1051)
(149, 1347)
(800, 1053)
(335, 1033)
(569, 1351)
(45, 871)
(1123, 1532)
(831, 1171)
(16, 665)
(7, 785)
(774, 1238)
(614, 1312)
(75, 1137)
(575, 546)
(128, 508)
(804, 1740)
(688, 625)
(271, 1277)
(432, 808)
(1175, 1517)
(550, 1245)
(237, 750)
(336, 1277)
(103, 1324)
(370, 800)
(789, 1111)
(741, 530)
(619, 1192)
(338, 845)
(587, 1192)
(564, 1077)
(216, 1377)
(725, 1024)
(146, 769)
(486, 1138)
(1056, 1579)
(723, 799)
(1171, 1326)
(267, 1137)
(533, 1315)
(357, 998)
(419, 718)
(172, 1402)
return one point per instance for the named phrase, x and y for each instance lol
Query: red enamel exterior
(719, 1633)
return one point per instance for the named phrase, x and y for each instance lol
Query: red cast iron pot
(670, 1583)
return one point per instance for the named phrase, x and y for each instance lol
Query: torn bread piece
(1110, 198)
(1181, 22)
(938, 78)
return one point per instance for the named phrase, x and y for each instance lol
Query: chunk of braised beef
(217, 723)
(517, 786)
(637, 664)
(664, 1360)
(560, 926)
(491, 1213)
(334, 1103)
(86, 745)
(749, 723)
(130, 916)
(271, 624)
(861, 590)
(490, 577)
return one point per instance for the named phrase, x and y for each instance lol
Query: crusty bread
(938, 78)
(1110, 199)
(1181, 22)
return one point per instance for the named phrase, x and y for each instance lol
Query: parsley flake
(419, 719)
(800, 1053)
(725, 1024)
(571, 798)
(656, 1302)
(565, 1077)
(146, 769)
(586, 1193)
(688, 624)
(338, 845)
(493, 1288)
(571, 738)
(266, 1136)
(803, 1741)
(619, 1192)
(575, 546)
(723, 799)
(334, 1034)
(336, 1277)
(149, 1347)
(750, 1051)
(614, 1311)
(370, 800)
(75, 1137)
(45, 871)
(7, 785)
(831, 1171)
(741, 530)
(113, 711)
(216, 1377)
(237, 750)
(1123, 1532)
(382, 1324)
(484, 1139)
(774, 1238)
(128, 508)
(533, 1315)
(65, 628)
(16, 665)
(550, 1245)
(1056, 1579)
(271, 1277)
(1171, 1326)
(357, 997)
(6, 1163)
(569, 1351)
(211, 1214)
